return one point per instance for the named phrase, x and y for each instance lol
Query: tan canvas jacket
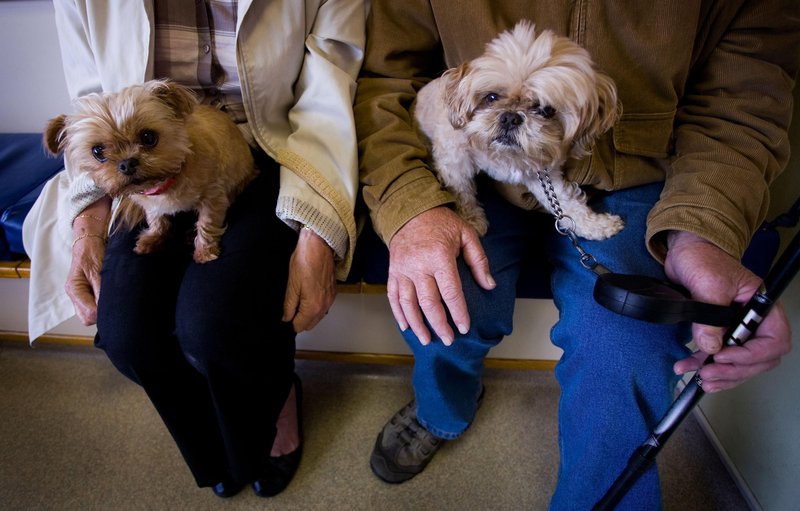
(705, 89)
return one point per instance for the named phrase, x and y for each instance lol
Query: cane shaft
(750, 318)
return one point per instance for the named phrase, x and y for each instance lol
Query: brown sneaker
(403, 448)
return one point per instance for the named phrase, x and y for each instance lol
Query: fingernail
(489, 278)
(447, 340)
(462, 329)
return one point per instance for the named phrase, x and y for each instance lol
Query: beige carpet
(75, 435)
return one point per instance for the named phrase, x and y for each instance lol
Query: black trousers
(206, 341)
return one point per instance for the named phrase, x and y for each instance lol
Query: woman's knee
(233, 339)
(136, 349)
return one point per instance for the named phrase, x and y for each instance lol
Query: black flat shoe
(278, 475)
(226, 489)
(281, 469)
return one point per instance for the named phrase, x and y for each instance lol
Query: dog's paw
(599, 226)
(481, 225)
(205, 253)
(147, 244)
(477, 219)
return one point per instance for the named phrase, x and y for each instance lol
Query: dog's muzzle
(128, 167)
(508, 124)
(510, 120)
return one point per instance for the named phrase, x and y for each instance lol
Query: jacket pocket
(643, 144)
(636, 151)
(644, 134)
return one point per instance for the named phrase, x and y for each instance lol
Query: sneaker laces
(414, 435)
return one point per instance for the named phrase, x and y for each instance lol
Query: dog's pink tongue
(160, 187)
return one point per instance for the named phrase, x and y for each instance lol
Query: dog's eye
(97, 152)
(148, 138)
(545, 111)
(491, 97)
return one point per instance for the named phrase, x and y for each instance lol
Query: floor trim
(708, 431)
(736, 475)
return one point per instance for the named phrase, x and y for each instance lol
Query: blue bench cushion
(24, 168)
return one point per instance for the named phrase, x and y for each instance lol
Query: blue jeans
(615, 374)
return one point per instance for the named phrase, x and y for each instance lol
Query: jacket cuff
(718, 230)
(82, 194)
(419, 194)
(296, 213)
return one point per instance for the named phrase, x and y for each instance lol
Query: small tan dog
(527, 104)
(155, 147)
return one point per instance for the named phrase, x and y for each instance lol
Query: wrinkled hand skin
(423, 276)
(713, 276)
(83, 280)
(311, 289)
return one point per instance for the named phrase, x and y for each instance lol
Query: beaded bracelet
(82, 236)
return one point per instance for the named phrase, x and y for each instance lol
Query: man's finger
(393, 294)
(718, 377)
(476, 259)
(430, 301)
(708, 338)
(449, 285)
(409, 303)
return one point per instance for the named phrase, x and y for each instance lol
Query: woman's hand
(312, 284)
(83, 281)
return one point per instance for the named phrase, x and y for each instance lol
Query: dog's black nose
(510, 120)
(128, 167)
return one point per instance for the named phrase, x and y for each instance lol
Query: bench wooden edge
(329, 356)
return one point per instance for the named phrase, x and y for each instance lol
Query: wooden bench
(15, 269)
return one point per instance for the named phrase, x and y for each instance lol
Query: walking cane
(746, 323)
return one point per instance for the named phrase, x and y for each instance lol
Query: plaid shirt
(195, 45)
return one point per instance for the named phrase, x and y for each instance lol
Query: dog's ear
(601, 120)
(457, 96)
(179, 98)
(54, 134)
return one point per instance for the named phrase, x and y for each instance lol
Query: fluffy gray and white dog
(527, 104)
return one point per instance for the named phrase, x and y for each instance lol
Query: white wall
(31, 79)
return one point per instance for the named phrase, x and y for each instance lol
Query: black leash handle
(749, 318)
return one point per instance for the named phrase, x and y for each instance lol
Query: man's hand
(423, 273)
(83, 279)
(312, 283)
(713, 276)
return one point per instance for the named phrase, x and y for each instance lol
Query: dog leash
(565, 225)
(636, 296)
(652, 300)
